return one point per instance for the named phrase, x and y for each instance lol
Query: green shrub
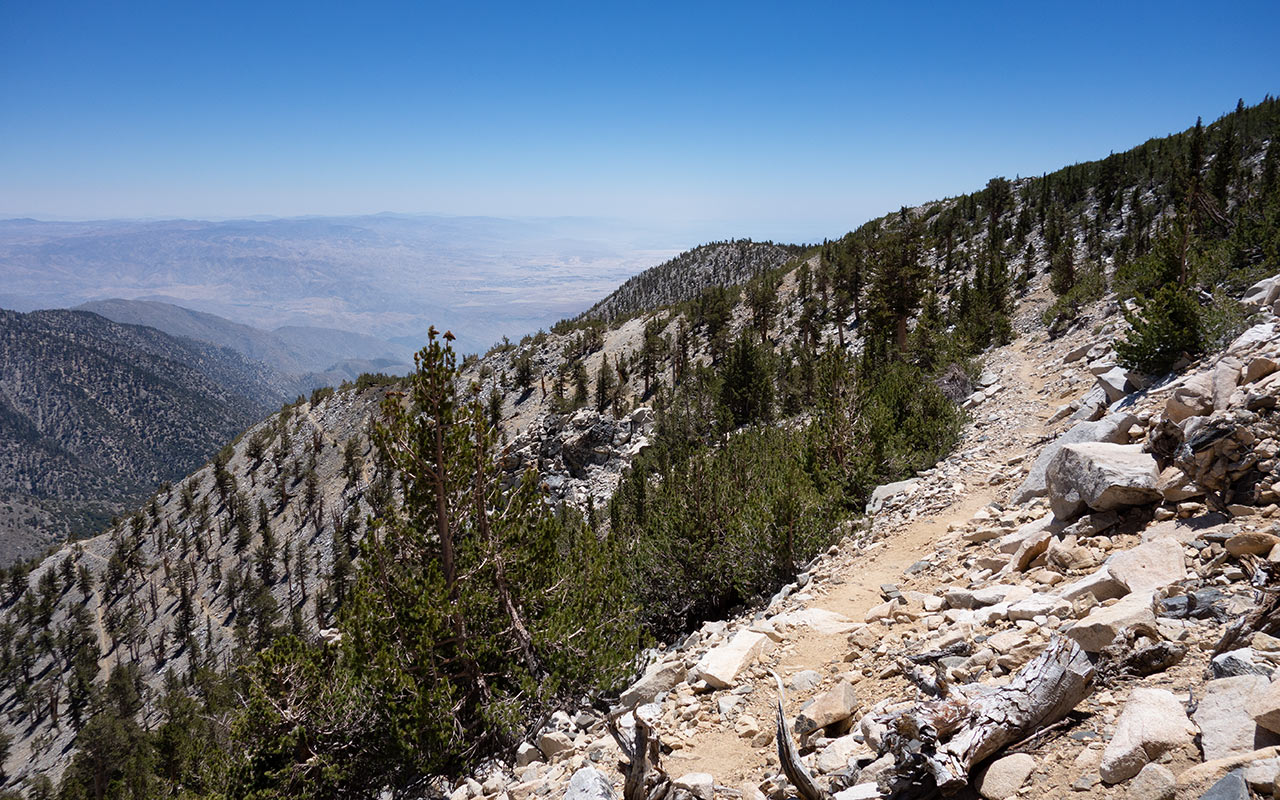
(1167, 328)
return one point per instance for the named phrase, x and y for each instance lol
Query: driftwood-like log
(944, 739)
(643, 779)
(789, 756)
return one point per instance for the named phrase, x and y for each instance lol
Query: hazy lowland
(388, 276)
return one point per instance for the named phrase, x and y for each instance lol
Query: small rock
(589, 783)
(699, 784)
(1231, 786)
(527, 754)
(805, 680)
(1005, 776)
(553, 743)
(1154, 782)
(1255, 543)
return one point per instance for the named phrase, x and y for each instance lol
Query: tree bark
(948, 737)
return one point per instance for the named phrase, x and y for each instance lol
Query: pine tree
(606, 384)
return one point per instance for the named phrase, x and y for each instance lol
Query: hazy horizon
(751, 120)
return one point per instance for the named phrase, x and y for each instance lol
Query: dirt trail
(853, 586)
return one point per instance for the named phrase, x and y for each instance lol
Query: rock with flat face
(1258, 543)
(1100, 627)
(1153, 723)
(833, 707)
(1263, 293)
(1231, 786)
(1193, 397)
(1112, 428)
(1154, 782)
(882, 494)
(1174, 486)
(1149, 566)
(1102, 477)
(699, 784)
(553, 743)
(1266, 708)
(1101, 584)
(721, 665)
(659, 678)
(1224, 715)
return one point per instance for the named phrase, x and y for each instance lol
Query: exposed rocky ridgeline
(93, 415)
(683, 278)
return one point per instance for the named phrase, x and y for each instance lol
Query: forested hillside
(404, 578)
(718, 264)
(93, 415)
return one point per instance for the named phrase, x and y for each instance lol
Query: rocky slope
(1143, 531)
(93, 415)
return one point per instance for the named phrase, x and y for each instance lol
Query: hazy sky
(787, 120)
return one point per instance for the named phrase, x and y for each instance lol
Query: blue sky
(784, 120)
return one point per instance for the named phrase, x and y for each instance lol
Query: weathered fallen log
(940, 741)
(789, 756)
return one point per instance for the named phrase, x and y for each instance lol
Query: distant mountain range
(316, 355)
(387, 276)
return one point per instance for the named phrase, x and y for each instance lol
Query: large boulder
(1252, 338)
(1263, 293)
(1152, 723)
(1100, 476)
(1224, 715)
(1113, 428)
(721, 665)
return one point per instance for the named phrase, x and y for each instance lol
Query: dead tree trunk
(643, 778)
(789, 756)
(944, 739)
